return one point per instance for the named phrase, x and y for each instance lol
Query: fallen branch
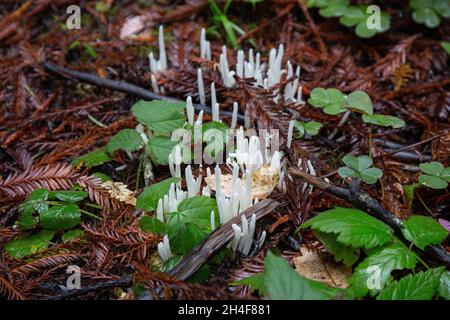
(218, 239)
(362, 200)
(124, 86)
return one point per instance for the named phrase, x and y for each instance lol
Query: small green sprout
(220, 19)
(311, 127)
(360, 167)
(435, 175)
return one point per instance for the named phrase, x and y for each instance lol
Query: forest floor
(47, 121)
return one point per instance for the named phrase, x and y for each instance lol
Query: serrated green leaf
(383, 120)
(374, 272)
(160, 116)
(71, 196)
(256, 283)
(148, 199)
(160, 148)
(61, 217)
(152, 225)
(444, 285)
(355, 227)
(72, 234)
(423, 231)
(22, 247)
(361, 101)
(341, 252)
(432, 182)
(92, 159)
(283, 283)
(184, 236)
(421, 286)
(125, 139)
(196, 210)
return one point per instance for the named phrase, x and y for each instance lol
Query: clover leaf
(360, 167)
(435, 175)
(312, 128)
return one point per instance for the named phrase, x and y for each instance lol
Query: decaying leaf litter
(48, 122)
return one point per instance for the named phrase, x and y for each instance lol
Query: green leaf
(125, 139)
(61, 217)
(371, 175)
(22, 247)
(421, 286)
(184, 236)
(341, 252)
(446, 46)
(300, 128)
(200, 275)
(409, 190)
(92, 159)
(352, 16)
(355, 227)
(374, 272)
(442, 7)
(256, 283)
(312, 127)
(359, 163)
(148, 199)
(423, 231)
(426, 16)
(334, 10)
(319, 98)
(160, 116)
(363, 31)
(152, 225)
(445, 174)
(160, 148)
(71, 196)
(215, 125)
(444, 285)
(36, 201)
(283, 283)
(334, 109)
(433, 168)
(346, 172)
(196, 210)
(383, 120)
(432, 181)
(72, 234)
(361, 101)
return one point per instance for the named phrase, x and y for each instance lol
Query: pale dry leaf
(120, 191)
(264, 181)
(320, 266)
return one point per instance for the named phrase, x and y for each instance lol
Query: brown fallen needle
(362, 200)
(195, 259)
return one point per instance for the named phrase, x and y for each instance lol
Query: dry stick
(123, 86)
(217, 239)
(360, 199)
(313, 26)
(412, 145)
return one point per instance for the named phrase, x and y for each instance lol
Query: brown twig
(217, 239)
(314, 29)
(362, 200)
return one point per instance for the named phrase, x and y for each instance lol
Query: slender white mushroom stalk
(213, 222)
(161, 64)
(205, 46)
(215, 112)
(154, 84)
(240, 64)
(141, 130)
(290, 133)
(190, 110)
(193, 185)
(227, 75)
(243, 236)
(234, 117)
(160, 211)
(164, 249)
(199, 120)
(213, 95)
(174, 160)
(201, 86)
